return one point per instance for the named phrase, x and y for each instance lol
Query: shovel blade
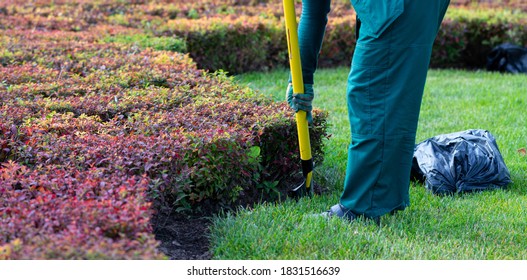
(302, 190)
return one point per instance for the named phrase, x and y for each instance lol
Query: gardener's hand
(301, 101)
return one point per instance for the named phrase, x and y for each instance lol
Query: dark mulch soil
(186, 237)
(182, 237)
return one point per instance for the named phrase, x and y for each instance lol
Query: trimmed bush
(467, 36)
(93, 122)
(55, 213)
(252, 32)
(234, 44)
(258, 43)
(153, 94)
(339, 42)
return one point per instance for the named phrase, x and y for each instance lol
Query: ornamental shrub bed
(233, 43)
(252, 31)
(467, 37)
(254, 34)
(98, 134)
(257, 43)
(63, 213)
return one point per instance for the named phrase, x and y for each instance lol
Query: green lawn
(486, 225)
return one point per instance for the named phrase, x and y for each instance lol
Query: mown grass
(479, 226)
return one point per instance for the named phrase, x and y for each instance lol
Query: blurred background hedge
(238, 36)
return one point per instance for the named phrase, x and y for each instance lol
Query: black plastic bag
(459, 162)
(507, 58)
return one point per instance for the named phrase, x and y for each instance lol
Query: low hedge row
(247, 35)
(465, 39)
(116, 82)
(235, 44)
(113, 130)
(64, 213)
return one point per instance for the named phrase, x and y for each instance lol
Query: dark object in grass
(460, 162)
(508, 58)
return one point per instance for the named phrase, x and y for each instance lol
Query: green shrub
(148, 41)
(93, 107)
(248, 35)
(449, 45)
(234, 45)
(59, 213)
(242, 43)
(339, 42)
(466, 37)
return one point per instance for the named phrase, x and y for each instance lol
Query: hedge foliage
(65, 213)
(257, 43)
(248, 35)
(97, 132)
(466, 36)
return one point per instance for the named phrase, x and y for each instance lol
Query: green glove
(301, 101)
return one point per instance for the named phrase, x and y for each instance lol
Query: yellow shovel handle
(298, 88)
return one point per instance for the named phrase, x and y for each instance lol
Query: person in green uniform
(384, 93)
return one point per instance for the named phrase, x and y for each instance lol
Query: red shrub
(55, 213)
(90, 129)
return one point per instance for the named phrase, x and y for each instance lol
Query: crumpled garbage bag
(507, 58)
(460, 162)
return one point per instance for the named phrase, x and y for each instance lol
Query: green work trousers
(385, 89)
